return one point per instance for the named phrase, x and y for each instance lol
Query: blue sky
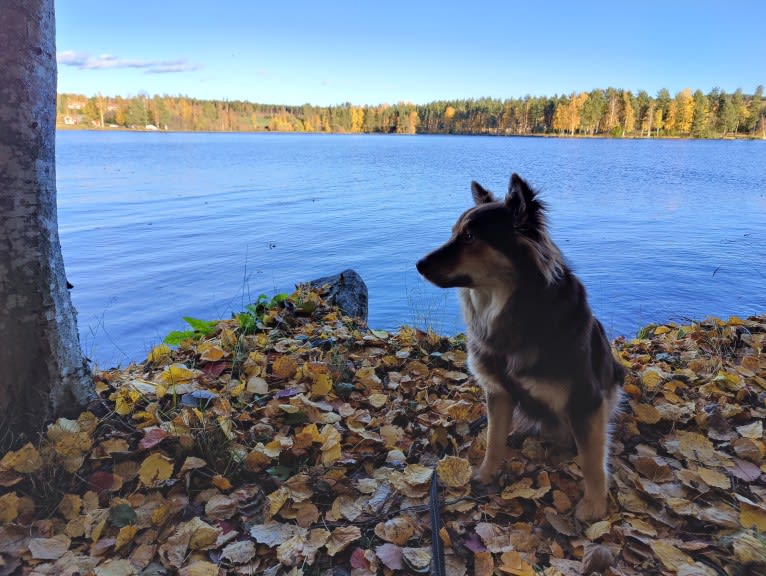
(365, 52)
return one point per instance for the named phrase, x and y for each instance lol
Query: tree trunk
(42, 371)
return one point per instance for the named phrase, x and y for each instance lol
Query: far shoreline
(744, 138)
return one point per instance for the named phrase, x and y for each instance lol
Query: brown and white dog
(533, 342)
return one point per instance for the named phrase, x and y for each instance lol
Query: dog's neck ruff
(481, 307)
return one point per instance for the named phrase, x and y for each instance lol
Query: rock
(347, 291)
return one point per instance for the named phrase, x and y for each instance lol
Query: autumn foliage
(609, 112)
(307, 443)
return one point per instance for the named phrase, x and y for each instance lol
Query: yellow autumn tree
(671, 119)
(357, 118)
(684, 110)
(567, 116)
(628, 113)
(658, 124)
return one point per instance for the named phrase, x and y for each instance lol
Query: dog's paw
(590, 509)
(484, 475)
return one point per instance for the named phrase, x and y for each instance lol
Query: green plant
(200, 329)
(251, 319)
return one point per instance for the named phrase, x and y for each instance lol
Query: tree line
(601, 112)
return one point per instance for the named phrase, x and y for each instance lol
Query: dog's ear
(521, 198)
(480, 194)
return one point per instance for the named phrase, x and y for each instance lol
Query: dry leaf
(155, 469)
(49, 548)
(454, 472)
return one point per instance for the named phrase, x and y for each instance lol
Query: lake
(157, 226)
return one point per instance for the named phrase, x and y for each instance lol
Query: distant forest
(609, 112)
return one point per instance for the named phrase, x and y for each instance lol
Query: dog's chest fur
(501, 362)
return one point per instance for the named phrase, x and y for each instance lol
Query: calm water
(159, 226)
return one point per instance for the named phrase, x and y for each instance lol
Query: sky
(387, 51)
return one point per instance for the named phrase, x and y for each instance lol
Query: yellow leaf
(209, 351)
(378, 400)
(9, 507)
(331, 449)
(125, 400)
(177, 373)
(366, 377)
(284, 367)
(417, 558)
(396, 530)
(454, 472)
(415, 474)
(321, 386)
(647, 414)
(24, 460)
(70, 506)
(307, 436)
(277, 499)
(671, 557)
(714, 478)
(651, 378)
(598, 529)
(159, 354)
(159, 515)
(483, 564)
(523, 489)
(125, 536)
(202, 534)
(512, 563)
(228, 337)
(200, 568)
(661, 330)
(237, 390)
(751, 515)
(341, 538)
(155, 469)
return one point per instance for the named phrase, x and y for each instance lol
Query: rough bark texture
(42, 372)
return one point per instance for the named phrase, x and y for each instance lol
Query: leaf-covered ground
(296, 441)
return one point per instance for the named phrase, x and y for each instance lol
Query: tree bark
(42, 371)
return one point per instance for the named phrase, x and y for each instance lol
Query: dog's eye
(467, 236)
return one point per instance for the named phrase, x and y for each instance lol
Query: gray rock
(347, 291)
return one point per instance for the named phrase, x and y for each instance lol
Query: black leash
(437, 546)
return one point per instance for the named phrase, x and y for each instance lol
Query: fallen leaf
(155, 469)
(512, 563)
(391, 556)
(598, 529)
(454, 472)
(240, 552)
(49, 548)
(341, 538)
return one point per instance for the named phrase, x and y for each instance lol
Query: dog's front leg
(591, 436)
(499, 412)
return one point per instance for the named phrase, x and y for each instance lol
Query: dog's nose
(421, 265)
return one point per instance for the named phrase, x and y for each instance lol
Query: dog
(533, 342)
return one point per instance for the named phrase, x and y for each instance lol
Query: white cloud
(84, 61)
